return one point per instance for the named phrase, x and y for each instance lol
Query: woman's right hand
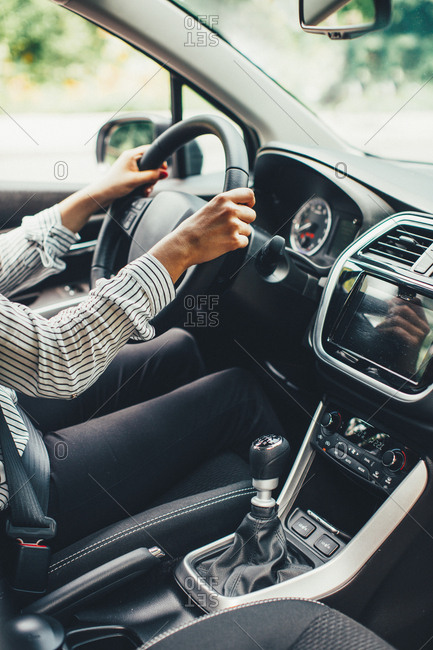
(222, 225)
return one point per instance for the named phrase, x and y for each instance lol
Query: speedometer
(311, 226)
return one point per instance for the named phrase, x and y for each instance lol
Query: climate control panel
(364, 450)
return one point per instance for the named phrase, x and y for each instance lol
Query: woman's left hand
(124, 176)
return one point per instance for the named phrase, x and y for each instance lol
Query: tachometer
(311, 226)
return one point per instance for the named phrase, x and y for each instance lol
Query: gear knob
(268, 457)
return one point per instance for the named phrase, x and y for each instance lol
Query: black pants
(148, 421)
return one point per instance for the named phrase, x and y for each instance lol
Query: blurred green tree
(44, 44)
(403, 53)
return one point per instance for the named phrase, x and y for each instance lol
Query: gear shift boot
(258, 557)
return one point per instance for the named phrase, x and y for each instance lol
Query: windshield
(374, 91)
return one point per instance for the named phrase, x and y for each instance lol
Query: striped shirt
(62, 356)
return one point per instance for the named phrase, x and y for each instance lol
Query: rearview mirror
(341, 19)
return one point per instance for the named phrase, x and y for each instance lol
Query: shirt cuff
(141, 289)
(47, 231)
(149, 272)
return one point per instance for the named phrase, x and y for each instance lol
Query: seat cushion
(280, 624)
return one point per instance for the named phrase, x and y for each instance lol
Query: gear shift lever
(258, 556)
(268, 457)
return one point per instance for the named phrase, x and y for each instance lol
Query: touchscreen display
(389, 325)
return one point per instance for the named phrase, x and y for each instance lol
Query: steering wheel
(139, 223)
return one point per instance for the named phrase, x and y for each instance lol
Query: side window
(61, 79)
(211, 148)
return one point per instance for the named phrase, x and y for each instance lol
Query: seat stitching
(173, 630)
(120, 533)
(170, 515)
(137, 528)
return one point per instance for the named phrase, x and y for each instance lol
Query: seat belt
(27, 522)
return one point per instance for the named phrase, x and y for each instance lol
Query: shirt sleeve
(33, 251)
(62, 356)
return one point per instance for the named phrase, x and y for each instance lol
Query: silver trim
(300, 468)
(337, 572)
(55, 307)
(407, 275)
(82, 247)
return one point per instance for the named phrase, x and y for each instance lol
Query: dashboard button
(355, 452)
(326, 545)
(390, 482)
(367, 460)
(349, 462)
(303, 527)
(333, 452)
(340, 450)
(362, 471)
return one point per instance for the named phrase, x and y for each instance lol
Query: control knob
(394, 459)
(330, 422)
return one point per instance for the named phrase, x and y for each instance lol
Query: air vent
(403, 245)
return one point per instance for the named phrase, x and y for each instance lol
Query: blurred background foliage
(41, 45)
(44, 47)
(54, 61)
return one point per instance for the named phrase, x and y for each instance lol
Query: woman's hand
(222, 225)
(124, 176)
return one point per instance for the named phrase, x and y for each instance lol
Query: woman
(119, 429)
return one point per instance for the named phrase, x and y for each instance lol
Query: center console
(334, 541)
(354, 480)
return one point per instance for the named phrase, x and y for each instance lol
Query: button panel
(366, 451)
(313, 535)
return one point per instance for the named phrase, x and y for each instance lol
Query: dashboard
(322, 214)
(319, 211)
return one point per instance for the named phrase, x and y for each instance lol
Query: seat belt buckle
(29, 570)
(31, 561)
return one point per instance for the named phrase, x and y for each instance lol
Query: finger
(407, 315)
(149, 176)
(138, 151)
(400, 334)
(412, 313)
(242, 195)
(245, 213)
(241, 241)
(397, 322)
(244, 229)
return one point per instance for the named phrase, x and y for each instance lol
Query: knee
(183, 345)
(182, 339)
(243, 380)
